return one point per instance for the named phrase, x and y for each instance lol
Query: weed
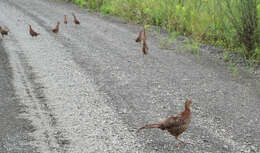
(164, 44)
(235, 72)
(225, 57)
(233, 69)
(193, 47)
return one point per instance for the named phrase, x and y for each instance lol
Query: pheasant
(3, 32)
(76, 21)
(145, 48)
(65, 19)
(32, 32)
(142, 36)
(175, 124)
(56, 29)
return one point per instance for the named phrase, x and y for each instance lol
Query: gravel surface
(13, 129)
(88, 88)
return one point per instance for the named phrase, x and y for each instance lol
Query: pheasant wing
(173, 121)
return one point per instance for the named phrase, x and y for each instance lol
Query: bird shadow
(161, 142)
(163, 145)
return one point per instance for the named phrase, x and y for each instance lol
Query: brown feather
(32, 32)
(145, 48)
(140, 36)
(149, 126)
(175, 124)
(3, 32)
(56, 29)
(76, 21)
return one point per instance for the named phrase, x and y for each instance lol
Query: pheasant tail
(149, 126)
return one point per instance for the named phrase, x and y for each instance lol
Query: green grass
(225, 57)
(233, 69)
(231, 24)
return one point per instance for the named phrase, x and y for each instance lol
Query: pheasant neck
(187, 108)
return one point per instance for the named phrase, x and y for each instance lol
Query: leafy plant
(225, 57)
(244, 19)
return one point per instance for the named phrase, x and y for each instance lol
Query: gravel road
(88, 88)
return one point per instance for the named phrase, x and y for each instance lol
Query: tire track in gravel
(14, 129)
(37, 101)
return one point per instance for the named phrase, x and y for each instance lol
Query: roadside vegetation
(230, 24)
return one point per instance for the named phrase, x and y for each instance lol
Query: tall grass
(244, 20)
(232, 24)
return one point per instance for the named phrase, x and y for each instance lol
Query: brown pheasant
(65, 19)
(145, 47)
(56, 29)
(76, 21)
(32, 32)
(175, 124)
(140, 36)
(3, 32)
